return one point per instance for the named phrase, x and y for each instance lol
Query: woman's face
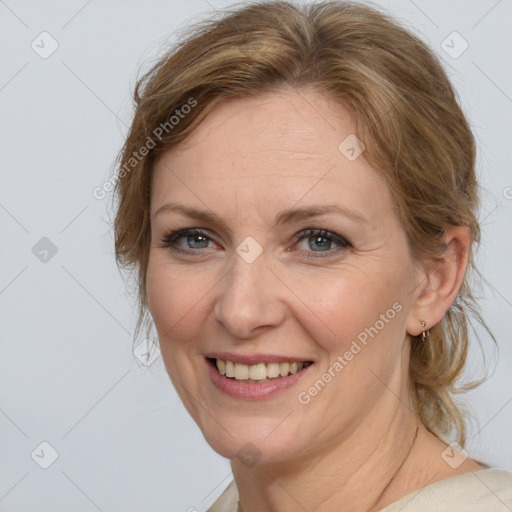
(341, 298)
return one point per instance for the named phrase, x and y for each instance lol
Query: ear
(439, 286)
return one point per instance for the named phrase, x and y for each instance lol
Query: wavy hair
(406, 113)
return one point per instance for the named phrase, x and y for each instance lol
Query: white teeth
(230, 369)
(257, 372)
(272, 370)
(241, 372)
(221, 366)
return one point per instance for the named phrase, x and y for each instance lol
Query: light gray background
(68, 375)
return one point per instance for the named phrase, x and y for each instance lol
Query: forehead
(279, 145)
(288, 124)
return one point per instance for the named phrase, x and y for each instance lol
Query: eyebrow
(288, 216)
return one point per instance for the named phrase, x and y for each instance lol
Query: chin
(254, 443)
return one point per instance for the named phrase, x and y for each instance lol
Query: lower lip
(252, 390)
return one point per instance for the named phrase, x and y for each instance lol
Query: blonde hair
(406, 114)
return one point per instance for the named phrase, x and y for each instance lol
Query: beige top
(487, 490)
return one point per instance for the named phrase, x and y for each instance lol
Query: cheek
(173, 300)
(340, 309)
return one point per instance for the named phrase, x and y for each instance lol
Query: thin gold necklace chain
(239, 506)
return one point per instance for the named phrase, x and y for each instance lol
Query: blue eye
(319, 241)
(195, 239)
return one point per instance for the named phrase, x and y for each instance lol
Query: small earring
(425, 336)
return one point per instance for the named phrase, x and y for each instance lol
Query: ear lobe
(442, 282)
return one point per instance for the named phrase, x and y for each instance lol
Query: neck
(364, 471)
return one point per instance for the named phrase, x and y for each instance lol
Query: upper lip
(252, 359)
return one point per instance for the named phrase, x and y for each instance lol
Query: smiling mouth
(257, 373)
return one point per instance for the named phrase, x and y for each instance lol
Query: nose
(249, 301)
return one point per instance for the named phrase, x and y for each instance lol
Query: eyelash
(170, 239)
